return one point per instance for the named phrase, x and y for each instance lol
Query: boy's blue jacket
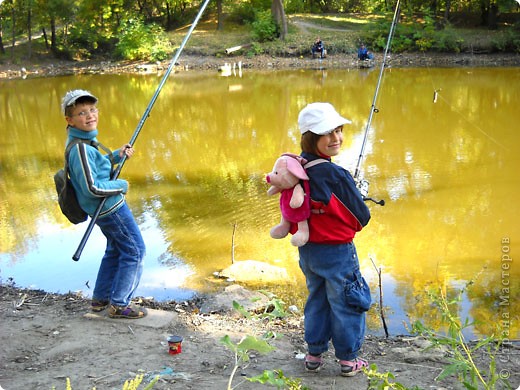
(337, 208)
(90, 175)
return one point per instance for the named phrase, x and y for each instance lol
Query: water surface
(442, 152)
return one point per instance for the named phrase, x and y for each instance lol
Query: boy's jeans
(122, 264)
(338, 299)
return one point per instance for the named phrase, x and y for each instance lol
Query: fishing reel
(362, 186)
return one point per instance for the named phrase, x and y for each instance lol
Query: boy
(90, 172)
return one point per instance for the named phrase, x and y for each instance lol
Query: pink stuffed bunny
(294, 200)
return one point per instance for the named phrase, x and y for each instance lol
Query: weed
(379, 381)
(242, 349)
(462, 362)
(278, 379)
(130, 384)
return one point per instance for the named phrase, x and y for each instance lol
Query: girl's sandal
(352, 367)
(313, 363)
(129, 312)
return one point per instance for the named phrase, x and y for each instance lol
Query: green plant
(264, 27)
(139, 41)
(379, 381)
(130, 384)
(278, 379)
(462, 362)
(275, 308)
(241, 350)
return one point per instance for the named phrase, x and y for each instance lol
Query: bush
(245, 12)
(138, 41)
(264, 27)
(84, 41)
(508, 41)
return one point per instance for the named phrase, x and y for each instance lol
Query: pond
(442, 151)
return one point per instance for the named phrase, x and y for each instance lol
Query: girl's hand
(126, 150)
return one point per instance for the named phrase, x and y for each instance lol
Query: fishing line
(438, 96)
(140, 125)
(373, 108)
(362, 183)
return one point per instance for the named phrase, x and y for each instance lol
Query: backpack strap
(315, 162)
(93, 143)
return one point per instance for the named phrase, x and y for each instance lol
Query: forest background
(151, 30)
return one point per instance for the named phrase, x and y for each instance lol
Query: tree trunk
(53, 35)
(447, 12)
(278, 13)
(45, 38)
(493, 17)
(220, 21)
(29, 32)
(2, 48)
(13, 32)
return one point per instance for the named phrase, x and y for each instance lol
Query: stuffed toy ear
(295, 167)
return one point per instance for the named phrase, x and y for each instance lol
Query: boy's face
(84, 116)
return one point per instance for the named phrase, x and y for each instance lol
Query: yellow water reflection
(447, 168)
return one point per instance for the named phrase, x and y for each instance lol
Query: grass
(340, 32)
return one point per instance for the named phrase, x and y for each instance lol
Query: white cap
(320, 118)
(71, 97)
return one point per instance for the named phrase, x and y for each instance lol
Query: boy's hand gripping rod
(363, 184)
(140, 125)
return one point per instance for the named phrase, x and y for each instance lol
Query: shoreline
(53, 68)
(50, 337)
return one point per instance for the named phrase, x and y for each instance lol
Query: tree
(278, 13)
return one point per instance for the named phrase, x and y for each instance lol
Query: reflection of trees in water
(495, 302)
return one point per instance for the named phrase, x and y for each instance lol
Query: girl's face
(84, 117)
(330, 144)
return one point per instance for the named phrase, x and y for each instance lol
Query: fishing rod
(140, 125)
(363, 184)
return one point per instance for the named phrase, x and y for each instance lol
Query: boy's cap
(71, 97)
(320, 118)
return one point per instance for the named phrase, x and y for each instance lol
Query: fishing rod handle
(379, 202)
(90, 227)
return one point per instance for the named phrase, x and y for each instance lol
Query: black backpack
(66, 195)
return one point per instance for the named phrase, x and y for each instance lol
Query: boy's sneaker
(352, 367)
(131, 312)
(313, 363)
(98, 305)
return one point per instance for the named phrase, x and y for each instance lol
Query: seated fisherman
(363, 53)
(318, 47)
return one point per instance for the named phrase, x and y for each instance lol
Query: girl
(338, 295)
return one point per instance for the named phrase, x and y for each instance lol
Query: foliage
(275, 308)
(379, 381)
(133, 384)
(242, 349)
(139, 41)
(462, 362)
(278, 379)
(413, 34)
(130, 384)
(244, 12)
(264, 28)
(84, 41)
(508, 41)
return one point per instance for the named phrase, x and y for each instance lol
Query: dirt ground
(47, 338)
